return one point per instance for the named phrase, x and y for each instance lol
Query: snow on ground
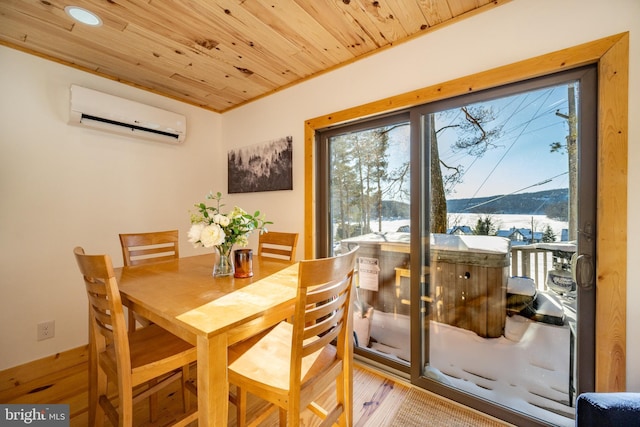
(527, 369)
(526, 372)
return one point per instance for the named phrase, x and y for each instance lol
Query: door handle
(583, 271)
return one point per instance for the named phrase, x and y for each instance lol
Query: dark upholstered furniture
(608, 410)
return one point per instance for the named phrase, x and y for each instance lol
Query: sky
(520, 158)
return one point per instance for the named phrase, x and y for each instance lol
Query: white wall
(512, 32)
(62, 186)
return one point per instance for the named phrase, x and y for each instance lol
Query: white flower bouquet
(210, 227)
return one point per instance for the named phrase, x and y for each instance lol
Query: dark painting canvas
(261, 167)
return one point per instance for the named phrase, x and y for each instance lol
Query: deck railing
(531, 261)
(537, 259)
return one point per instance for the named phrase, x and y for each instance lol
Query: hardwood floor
(63, 379)
(376, 400)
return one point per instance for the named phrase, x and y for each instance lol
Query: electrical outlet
(46, 330)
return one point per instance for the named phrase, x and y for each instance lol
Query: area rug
(424, 409)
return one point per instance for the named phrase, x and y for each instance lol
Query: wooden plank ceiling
(220, 54)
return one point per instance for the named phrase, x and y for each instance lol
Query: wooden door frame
(611, 54)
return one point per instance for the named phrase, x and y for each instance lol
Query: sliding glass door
(475, 219)
(368, 194)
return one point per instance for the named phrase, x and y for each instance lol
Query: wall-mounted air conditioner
(113, 114)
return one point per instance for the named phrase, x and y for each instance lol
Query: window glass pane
(467, 212)
(499, 306)
(369, 207)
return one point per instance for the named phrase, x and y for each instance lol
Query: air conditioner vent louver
(110, 113)
(132, 127)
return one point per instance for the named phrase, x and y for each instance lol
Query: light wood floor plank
(376, 397)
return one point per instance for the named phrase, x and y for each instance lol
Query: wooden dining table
(210, 312)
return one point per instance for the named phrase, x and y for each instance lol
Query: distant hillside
(552, 203)
(392, 209)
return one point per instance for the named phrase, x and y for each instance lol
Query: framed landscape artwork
(261, 167)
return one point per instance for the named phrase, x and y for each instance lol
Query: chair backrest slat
(323, 301)
(322, 312)
(146, 248)
(105, 306)
(277, 244)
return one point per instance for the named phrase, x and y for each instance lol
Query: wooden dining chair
(145, 360)
(293, 363)
(277, 244)
(147, 248)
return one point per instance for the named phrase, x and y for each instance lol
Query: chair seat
(267, 359)
(149, 346)
(292, 364)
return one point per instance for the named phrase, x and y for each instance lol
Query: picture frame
(261, 167)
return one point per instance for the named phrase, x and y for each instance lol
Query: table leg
(93, 374)
(348, 374)
(213, 382)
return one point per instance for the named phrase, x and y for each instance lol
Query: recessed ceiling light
(83, 15)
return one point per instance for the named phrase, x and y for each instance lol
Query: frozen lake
(501, 221)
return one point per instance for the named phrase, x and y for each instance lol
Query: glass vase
(224, 264)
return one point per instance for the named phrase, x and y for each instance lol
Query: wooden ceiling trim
(53, 44)
(242, 50)
(489, 5)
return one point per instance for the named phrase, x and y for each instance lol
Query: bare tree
(473, 137)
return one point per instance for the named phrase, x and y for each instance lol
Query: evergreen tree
(548, 235)
(485, 226)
